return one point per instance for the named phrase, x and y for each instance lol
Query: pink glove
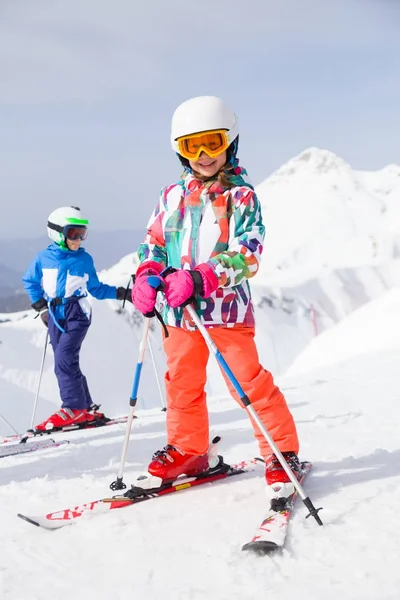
(183, 284)
(144, 296)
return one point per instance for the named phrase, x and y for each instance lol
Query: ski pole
(40, 379)
(9, 425)
(164, 408)
(127, 289)
(118, 484)
(158, 284)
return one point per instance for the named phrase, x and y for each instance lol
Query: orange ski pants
(187, 415)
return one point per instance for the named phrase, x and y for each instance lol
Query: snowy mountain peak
(392, 169)
(319, 211)
(312, 160)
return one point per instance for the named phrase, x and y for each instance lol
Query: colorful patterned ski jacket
(198, 223)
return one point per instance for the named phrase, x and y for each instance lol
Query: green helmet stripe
(74, 221)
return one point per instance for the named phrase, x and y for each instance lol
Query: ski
(90, 425)
(14, 449)
(271, 534)
(58, 519)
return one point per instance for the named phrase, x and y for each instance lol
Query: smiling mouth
(206, 165)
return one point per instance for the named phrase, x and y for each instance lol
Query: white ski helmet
(204, 113)
(62, 218)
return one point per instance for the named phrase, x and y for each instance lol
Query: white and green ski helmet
(61, 218)
(203, 113)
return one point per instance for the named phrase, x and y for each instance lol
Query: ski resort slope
(344, 392)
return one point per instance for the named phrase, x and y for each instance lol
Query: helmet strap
(232, 151)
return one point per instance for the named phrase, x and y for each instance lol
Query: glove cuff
(209, 279)
(197, 282)
(149, 267)
(39, 304)
(121, 293)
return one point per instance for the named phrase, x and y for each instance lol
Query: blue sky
(88, 87)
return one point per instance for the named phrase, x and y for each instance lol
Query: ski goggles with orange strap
(213, 143)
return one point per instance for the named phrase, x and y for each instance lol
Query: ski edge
(34, 446)
(262, 547)
(28, 519)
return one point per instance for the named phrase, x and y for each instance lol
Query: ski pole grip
(156, 282)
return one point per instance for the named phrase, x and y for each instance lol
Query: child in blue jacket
(57, 282)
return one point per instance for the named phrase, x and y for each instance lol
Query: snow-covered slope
(361, 339)
(187, 546)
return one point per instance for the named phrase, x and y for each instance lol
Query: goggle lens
(75, 233)
(213, 143)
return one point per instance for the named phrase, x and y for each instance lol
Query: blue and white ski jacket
(58, 273)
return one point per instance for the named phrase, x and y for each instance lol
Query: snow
(361, 339)
(342, 386)
(188, 545)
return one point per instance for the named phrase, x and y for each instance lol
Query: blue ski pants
(66, 345)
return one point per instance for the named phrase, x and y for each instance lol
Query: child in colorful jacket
(58, 281)
(208, 227)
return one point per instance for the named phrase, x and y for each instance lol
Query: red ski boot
(278, 482)
(171, 462)
(64, 418)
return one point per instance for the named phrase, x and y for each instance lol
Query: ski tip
(261, 547)
(28, 519)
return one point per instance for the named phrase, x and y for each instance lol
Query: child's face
(73, 244)
(207, 166)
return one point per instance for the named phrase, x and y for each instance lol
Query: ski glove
(182, 285)
(39, 304)
(43, 312)
(144, 297)
(124, 294)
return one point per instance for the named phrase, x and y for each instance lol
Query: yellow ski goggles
(213, 143)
